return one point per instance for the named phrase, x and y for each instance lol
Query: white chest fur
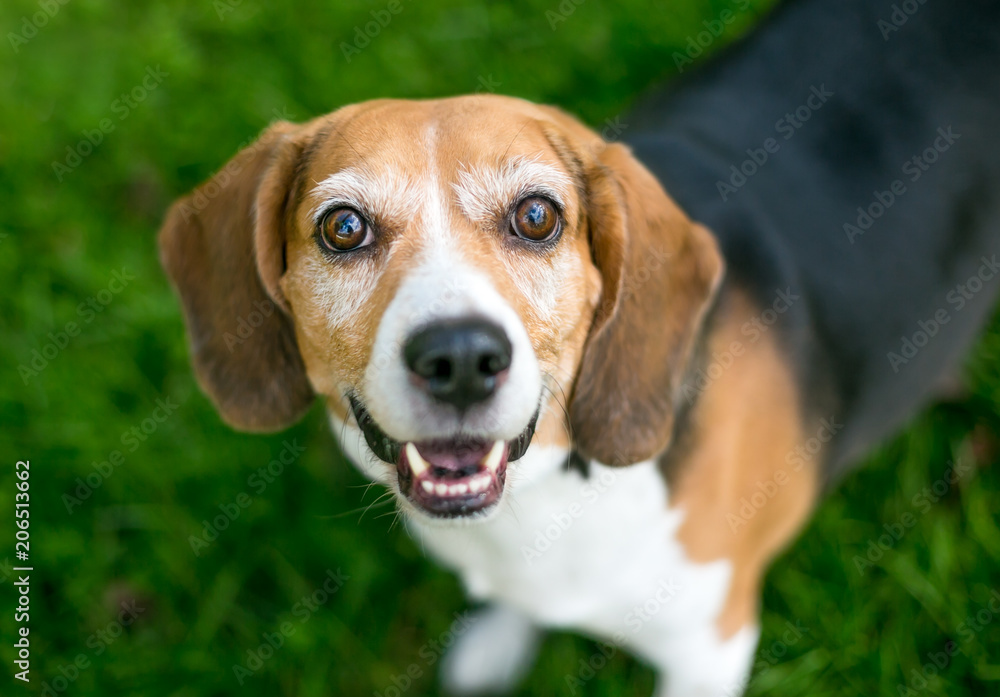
(598, 554)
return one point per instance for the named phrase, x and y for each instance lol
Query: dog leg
(701, 664)
(493, 655)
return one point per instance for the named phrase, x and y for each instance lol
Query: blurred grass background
(228, 68)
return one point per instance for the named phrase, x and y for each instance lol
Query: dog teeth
(473, 485)
(492, 460)
(480, 482)
(417, 464)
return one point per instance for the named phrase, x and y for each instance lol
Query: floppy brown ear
(660, 273)
(215, 245)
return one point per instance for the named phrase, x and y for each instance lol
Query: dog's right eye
(536, 219)
(344, 230)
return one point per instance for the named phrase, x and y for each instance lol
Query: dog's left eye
(536, 219)
(343, 230)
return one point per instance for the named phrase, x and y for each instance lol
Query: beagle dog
(602, 414)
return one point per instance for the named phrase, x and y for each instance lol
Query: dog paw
(493, 655)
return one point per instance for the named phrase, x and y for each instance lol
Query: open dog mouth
(449, 477)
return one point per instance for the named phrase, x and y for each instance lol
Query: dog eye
(535, 219)
(343, 230)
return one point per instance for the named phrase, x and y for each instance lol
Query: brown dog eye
(343, 230)
(535, 219)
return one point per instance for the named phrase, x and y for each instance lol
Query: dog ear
(223, 248)
(660, 273)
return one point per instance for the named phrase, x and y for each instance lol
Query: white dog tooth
(492, 460)
(441, 489)
(427, 486)
(417, 464)
(461, 489)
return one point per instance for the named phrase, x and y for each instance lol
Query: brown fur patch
(242, 344)
(659, 275)
(746, 423)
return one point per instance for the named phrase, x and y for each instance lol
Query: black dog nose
(460, 360)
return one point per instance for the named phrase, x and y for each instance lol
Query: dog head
(448, 276)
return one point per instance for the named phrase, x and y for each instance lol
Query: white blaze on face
(442, 285)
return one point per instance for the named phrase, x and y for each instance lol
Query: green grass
(64, 236)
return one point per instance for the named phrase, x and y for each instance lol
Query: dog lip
(389, 450)
(466, 485)
(384, 447)
(432, 474)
